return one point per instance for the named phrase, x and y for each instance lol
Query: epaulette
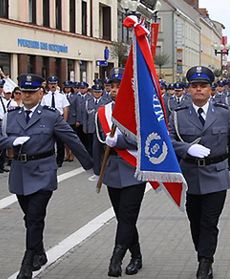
(221, 105)
(181, 108)
(13, 109)
(49, 108)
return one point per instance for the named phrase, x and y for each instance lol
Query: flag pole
(104, 162)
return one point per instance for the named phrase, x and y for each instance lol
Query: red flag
(124, 115)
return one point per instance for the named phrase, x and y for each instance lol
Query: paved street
(164, 233)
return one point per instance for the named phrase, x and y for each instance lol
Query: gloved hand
(111, 141)
(198, 150)
(20, 140)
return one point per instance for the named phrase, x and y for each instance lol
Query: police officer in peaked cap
(200, 136)
(31, 131)
(125, 191)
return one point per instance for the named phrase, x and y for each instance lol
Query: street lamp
(223, 50)
(130, 8)
(156, 9)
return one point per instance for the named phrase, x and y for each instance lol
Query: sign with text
(102, 63)
(42, 45)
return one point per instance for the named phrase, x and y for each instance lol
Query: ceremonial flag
(138, 113)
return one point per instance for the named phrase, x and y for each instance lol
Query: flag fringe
(124, 130)
(159, 176)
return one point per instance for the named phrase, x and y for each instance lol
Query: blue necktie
(53, 101)
(200, 110)
(27, 115)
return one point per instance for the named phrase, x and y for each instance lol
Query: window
(31, 63)
(83, 71)
(45, 67)
(4, 8)
(58, 67)
(105, 15)
(84, 18)
(32, 11)
(46, 13)
(58, 15)
(5, 63)
(72, 16)
(71, 69)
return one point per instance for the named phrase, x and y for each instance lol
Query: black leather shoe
(134, 265)
(116, 261)
(39, 261)
(26, 268)
(204, 269)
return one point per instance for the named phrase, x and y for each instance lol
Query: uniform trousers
(126, 203)
(203, 213)
(98, 153)
(34, 207)
(60, 151)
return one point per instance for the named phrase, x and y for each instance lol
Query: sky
(219, 11)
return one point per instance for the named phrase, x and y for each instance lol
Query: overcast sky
(218, 10)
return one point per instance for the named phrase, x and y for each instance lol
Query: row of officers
(177, 94)
(199, 133)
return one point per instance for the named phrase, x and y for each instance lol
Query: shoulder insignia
(13, 109)
(221, 105)
(49, 108)
(181, 108)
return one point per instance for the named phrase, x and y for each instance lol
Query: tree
(160, 60)
(119, 50)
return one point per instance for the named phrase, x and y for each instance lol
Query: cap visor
(200, 81)
(30, 89)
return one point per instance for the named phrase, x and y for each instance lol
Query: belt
(207, 161)
(25, 157)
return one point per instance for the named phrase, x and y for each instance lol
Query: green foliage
(119, 50)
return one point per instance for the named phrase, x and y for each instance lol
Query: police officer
(176, 100)
(125, 193)
(59, 101)
(200, 133)
(91, 106)
(83, 95)
(74, 111)
(31, 131)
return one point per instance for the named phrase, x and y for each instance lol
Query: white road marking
(76, 238)
(5, 202)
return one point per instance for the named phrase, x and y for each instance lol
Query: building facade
(66, 38)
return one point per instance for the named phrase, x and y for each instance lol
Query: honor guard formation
(45, 123)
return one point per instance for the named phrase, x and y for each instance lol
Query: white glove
(111, 141)
(20, 140)
(198, 150)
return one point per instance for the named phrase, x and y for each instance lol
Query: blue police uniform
(33, 174)
(208, 177)
(82, 99)
(173, 102)
(126, 194)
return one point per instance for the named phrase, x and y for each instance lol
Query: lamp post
(130, 8)
(156, 9)
(223, 50)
